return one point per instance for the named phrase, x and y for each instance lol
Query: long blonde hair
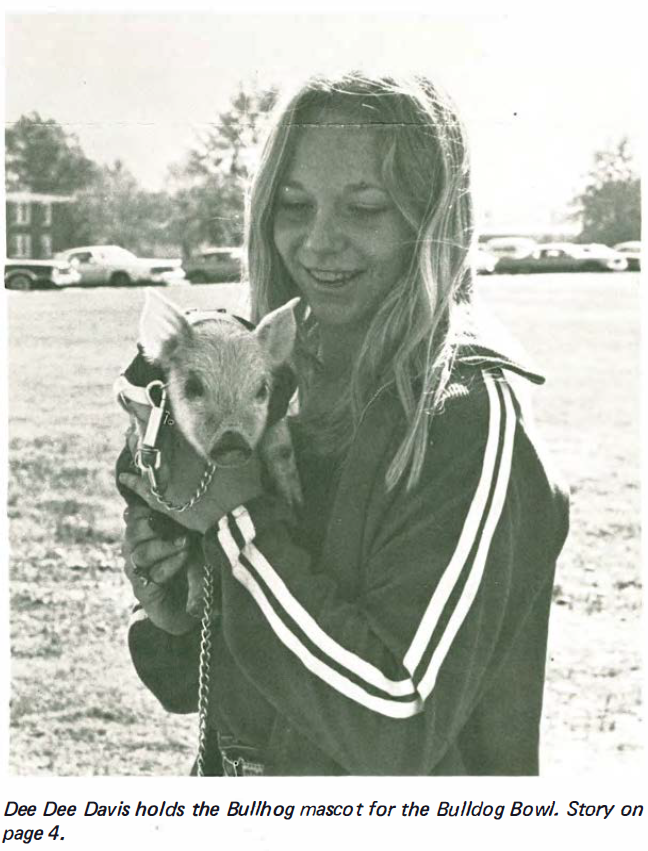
(408, 345)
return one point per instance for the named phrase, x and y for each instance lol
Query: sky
(539, 93)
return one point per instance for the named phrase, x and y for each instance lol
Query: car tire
(120, 279)
(19, 282)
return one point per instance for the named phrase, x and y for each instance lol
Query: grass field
(77, 707)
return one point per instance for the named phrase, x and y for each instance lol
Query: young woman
(399, 625)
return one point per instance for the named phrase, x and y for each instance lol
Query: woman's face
(336, 228)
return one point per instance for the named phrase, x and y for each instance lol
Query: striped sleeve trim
(344, 670)
(501, 429)
(328, 674)
(307, 624)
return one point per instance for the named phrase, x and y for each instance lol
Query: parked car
(565, 257)
(632, 253)
(110, 264)
(215, 266)
(484, 262)
(510, 246)
(21, 274)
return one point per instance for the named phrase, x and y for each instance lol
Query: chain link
(204, 665)
(200, 491)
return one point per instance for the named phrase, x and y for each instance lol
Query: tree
(42, 157)
(227, 148)
(609, 207)
(210, 183)
(115, 210)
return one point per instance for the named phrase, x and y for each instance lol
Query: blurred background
(129, 141)
(140, 131)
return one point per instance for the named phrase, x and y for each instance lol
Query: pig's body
(219, 379)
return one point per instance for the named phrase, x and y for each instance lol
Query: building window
(46, 245)
(47, 215)
(21, 245)
(23, 213)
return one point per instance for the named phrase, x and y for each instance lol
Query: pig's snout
(230, 450)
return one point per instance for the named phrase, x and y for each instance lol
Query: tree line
(203, 199)
(204, 195)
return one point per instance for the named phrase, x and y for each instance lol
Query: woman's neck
(339, 349)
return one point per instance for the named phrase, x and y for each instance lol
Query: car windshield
(114, 252)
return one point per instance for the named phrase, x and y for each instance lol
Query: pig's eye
(193, 387)
(262, 393)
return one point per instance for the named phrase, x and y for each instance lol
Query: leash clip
(148, 457)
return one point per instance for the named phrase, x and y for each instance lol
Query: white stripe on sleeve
(471, 587)
(391, 708)
(466, 541)
(363, 669)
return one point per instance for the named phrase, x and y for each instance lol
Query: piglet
(220, 377)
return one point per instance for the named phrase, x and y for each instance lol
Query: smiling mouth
(332, 278)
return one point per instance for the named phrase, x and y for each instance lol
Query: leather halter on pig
(228, 387)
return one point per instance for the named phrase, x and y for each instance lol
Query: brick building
(37, 225)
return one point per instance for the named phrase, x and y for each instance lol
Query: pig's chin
(230, 458)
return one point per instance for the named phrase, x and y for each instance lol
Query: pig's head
(219, 374)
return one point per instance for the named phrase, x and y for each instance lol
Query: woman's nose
(325, 234)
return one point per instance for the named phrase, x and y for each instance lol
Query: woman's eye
(294, 208)
(193, 387)
(262, 393)
(367, 210)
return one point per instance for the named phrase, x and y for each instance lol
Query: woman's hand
(229, 487)
(150, 562)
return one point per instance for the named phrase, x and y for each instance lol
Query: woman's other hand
(150, 563)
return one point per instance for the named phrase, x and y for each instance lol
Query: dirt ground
(77, 707)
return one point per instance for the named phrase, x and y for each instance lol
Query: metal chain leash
(204, 665)
(148, 459)
(200, 491)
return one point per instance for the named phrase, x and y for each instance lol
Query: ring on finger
(140, 575)
(145, 581)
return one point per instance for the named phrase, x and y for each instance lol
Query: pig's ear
(276, 332)
(163, 328)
